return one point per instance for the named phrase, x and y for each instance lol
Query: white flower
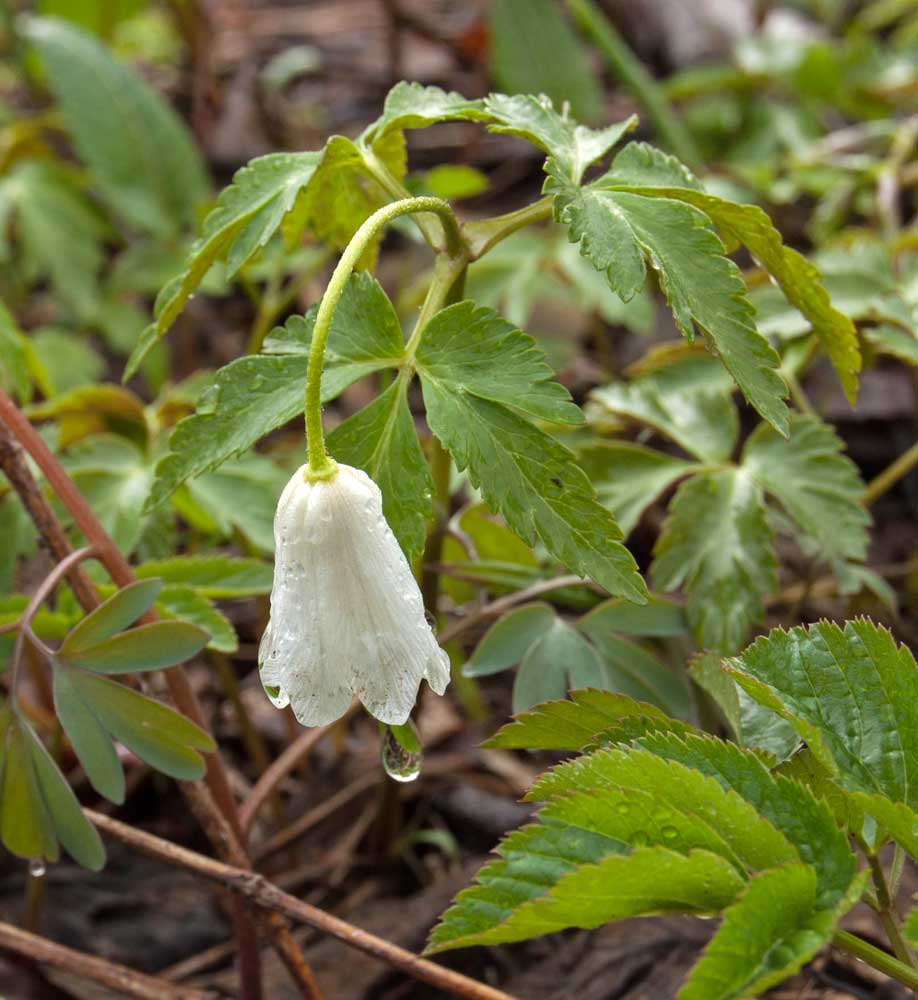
(347, 618)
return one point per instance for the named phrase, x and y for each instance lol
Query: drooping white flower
(347, 617)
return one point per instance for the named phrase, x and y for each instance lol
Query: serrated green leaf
(716, 542)
(863, 726)
(749, 225)
(239, 496)
(252, 396)
(753, 725)
(641, 165)
(88, 737)
(572, 147)
(60, 231)
(213, 576)
(123, 608)
(137, 148)
(535, 483)
(629, 477)
(507, 640)
(901, 344)
(695, 410)
(412, 105)
(157, 734)
(768, 934)
(570, 725)
(71, 827)
(261, 194)
(816, 484)
(650, 880)
(382, 440)
(897, 819)
(475, 351)
(618, 228)
(790, 807)
(189, 605)
(146, 647)
(535, 51)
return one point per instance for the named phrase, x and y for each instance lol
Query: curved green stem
(873, 956)
(320, 466)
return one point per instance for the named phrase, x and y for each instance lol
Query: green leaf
(901, 344)
(753, 725)
(749, 225)
(163, 738)
(688, 401)
(629, 477)
(92, 410)
(560, 658)
(15, 367)
(252, 208)
(239, 496)
(649, 880)
(123, 608)
(535, 483)
(659, 617)
(146, 647)
(88, 737)
(535, 51)
(382, 440)
(572, 147)
(252, 396)
(137, 148)
(26, 827)
(570, 725)
(213, 576)
(507, 640)
(70, 825)
(412, 105)
(189, 605)
(66, 359)
(863, 727)
(114, 476)
(475, 351)
(617, 229)
(60, 231)
(716, 542)
(815, 483)
(768, 934)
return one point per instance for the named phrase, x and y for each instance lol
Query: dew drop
(669, 833)
(400, 764)
(639, 839)
(37, 868)
(623, 808)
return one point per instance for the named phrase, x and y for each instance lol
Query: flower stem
(873, 956)
(320, 465)
(888, 478)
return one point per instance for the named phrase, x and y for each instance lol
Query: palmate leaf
(534, 482)
(717, 543)
(815, 483)
(254, 395)
(382, 440)
(137, 148)
(618, 228)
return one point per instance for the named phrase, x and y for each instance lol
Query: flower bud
(347, 617)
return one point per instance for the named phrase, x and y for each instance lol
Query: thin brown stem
(275, 774)
(258, 890)
(125, 981)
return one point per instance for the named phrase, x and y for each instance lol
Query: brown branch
(116, 977)
(213, 804)
(53, 536)
(258, 890)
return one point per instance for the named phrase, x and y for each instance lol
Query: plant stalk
(875, 957)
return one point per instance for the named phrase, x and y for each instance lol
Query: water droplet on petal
(37, 867)
(400, 764)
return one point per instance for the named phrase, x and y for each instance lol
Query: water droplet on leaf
(639, 838)
(37, 868)
(669, 833)
(400, 764)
